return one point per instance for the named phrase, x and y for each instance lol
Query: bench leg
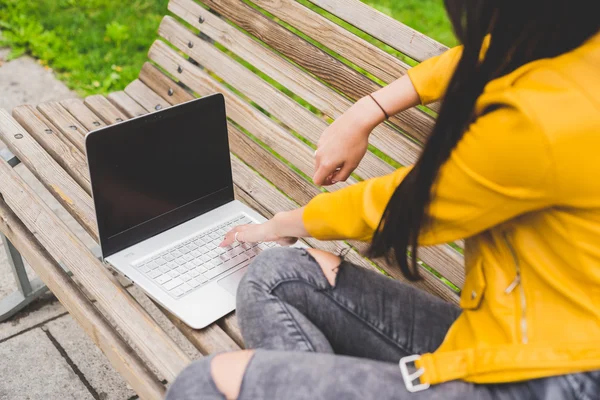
(27, 290)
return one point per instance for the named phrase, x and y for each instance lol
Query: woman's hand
(284, 228)
(256, 233)
(343, 144)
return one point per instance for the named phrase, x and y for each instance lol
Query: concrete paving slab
(32, 368)
(94, 366)
(24, 80)
(44, 309)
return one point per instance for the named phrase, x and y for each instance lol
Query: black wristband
(382, 109)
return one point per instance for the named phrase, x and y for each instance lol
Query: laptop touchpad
(231, 282)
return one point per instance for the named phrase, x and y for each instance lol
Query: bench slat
(149, 100)
(66, 124)
(84, 115)
(266, 131)
(266, 96)
(355, 85)
(327, 100)
(207, 340)
(122, 357)
(274, 136)
(62, 186)
(166, 88)
(105, 109)
(363, 54)
(353, 48)
(391, 32)
(49, 137)
(126, 104)
(63, 245)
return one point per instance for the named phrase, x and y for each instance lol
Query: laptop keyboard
(188, 265)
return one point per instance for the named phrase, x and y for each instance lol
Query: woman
(511, 166)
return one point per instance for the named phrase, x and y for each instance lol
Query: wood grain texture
(66, 123)
(266, 131)
(105, 109)
(293, 115)
(145, 97)
(63, 245)
(348, 81)
(391, 32)
(330, 102)
(126, 104)
(348, 45)
(230, 325)
(212, 338)
(361, 53)
(84, 115)
(121, 356)
(49, 137)
(275, 137)
(163, 86)
(62, 186)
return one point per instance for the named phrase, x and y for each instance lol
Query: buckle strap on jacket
(470, 363)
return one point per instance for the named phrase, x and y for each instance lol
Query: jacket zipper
(517, 282)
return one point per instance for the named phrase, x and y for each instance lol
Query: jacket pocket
(474, 288)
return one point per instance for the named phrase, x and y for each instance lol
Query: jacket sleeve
(432, 76)
(500, 169)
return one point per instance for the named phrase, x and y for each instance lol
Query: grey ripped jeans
(316, 341)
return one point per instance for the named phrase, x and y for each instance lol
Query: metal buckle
(408, 377)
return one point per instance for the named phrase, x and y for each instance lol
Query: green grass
(95, 46)
(98, 46)
(426, 16)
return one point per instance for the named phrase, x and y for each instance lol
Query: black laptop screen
(158, 171)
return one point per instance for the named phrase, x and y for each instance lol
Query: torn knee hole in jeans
(329, 271)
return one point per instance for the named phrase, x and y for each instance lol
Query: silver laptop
(163, 193)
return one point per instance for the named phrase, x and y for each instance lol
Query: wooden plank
(391, 32)
(121, 356)
(126, 104)
(211, 339)
(66, 124)
(49, 137)
(293, 78)
(105, 109)
(348, 45)
(207, 340)
(265, 130)
(145, 97)
(348, 81)
(266, 96)
(288, 146)
(63, 245)
(84, 115)
(166, 88)
(230, 325)
(62, 186)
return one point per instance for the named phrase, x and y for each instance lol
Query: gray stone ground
(44, 354)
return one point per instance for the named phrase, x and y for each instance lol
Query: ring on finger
(235, 237)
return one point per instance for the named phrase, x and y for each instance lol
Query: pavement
(44, 354)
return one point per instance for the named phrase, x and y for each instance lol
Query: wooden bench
(286, 71)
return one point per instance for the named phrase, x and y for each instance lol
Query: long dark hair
(520, 31)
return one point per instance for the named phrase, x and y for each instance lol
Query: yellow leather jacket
(523, 188)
